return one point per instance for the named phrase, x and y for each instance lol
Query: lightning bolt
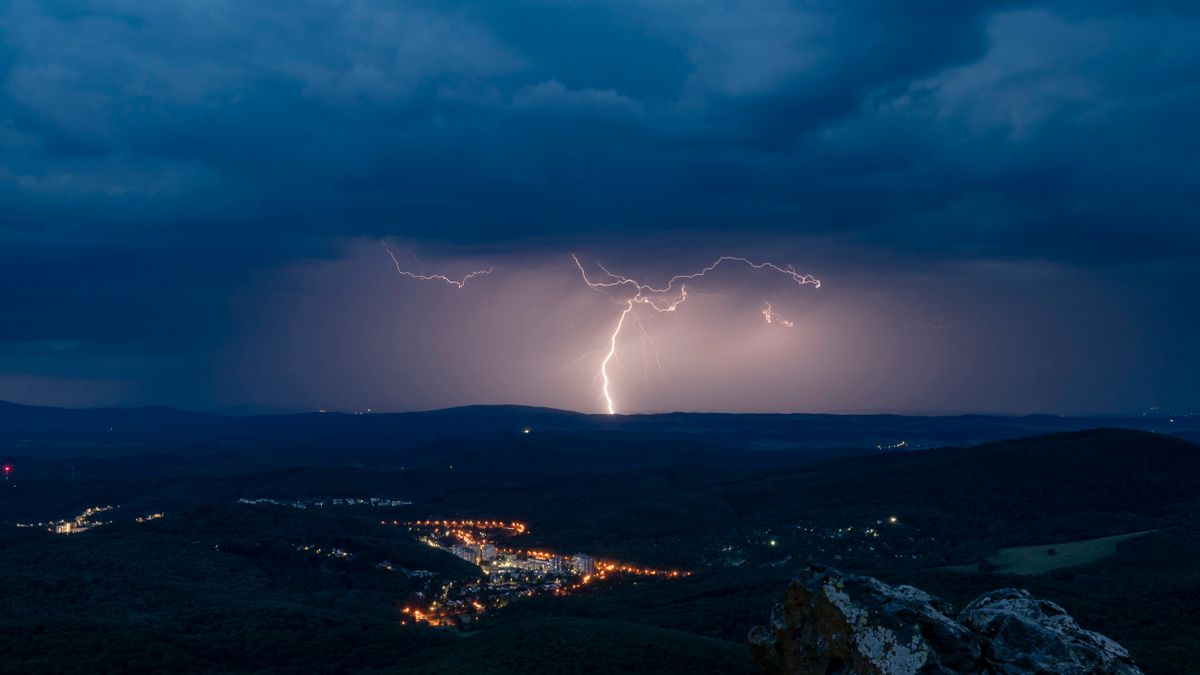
(457, 283)
(668, 299)
(772, 317)
(612, 351)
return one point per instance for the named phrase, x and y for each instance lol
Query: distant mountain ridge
(887, 432)
(1029, 481)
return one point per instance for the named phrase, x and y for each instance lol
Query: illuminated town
(509, 573)
(80, 523)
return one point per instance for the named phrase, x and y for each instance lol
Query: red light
(7, 468)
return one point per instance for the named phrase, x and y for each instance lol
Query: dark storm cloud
(159, 158)
(480, 124)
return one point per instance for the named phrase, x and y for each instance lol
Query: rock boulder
(830, 622)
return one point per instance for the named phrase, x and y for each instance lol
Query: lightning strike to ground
(457, 283)
(667, 299)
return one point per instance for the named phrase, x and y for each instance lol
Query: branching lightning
(457, 283)
(663, 299)
(668, 298)
(773, 317)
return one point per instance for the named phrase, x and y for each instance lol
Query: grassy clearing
(1047, 557)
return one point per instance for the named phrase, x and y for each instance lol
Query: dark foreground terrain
(192, 571)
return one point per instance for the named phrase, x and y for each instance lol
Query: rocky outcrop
(831, 622)
(1021, 634)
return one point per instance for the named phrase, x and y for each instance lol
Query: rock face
(840, 623)
(1021, 634)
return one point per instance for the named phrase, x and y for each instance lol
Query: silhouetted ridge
(1119, 478)
(799, 430)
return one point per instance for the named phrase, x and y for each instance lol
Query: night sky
(1002, 201)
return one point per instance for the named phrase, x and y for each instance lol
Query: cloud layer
(163, 162)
